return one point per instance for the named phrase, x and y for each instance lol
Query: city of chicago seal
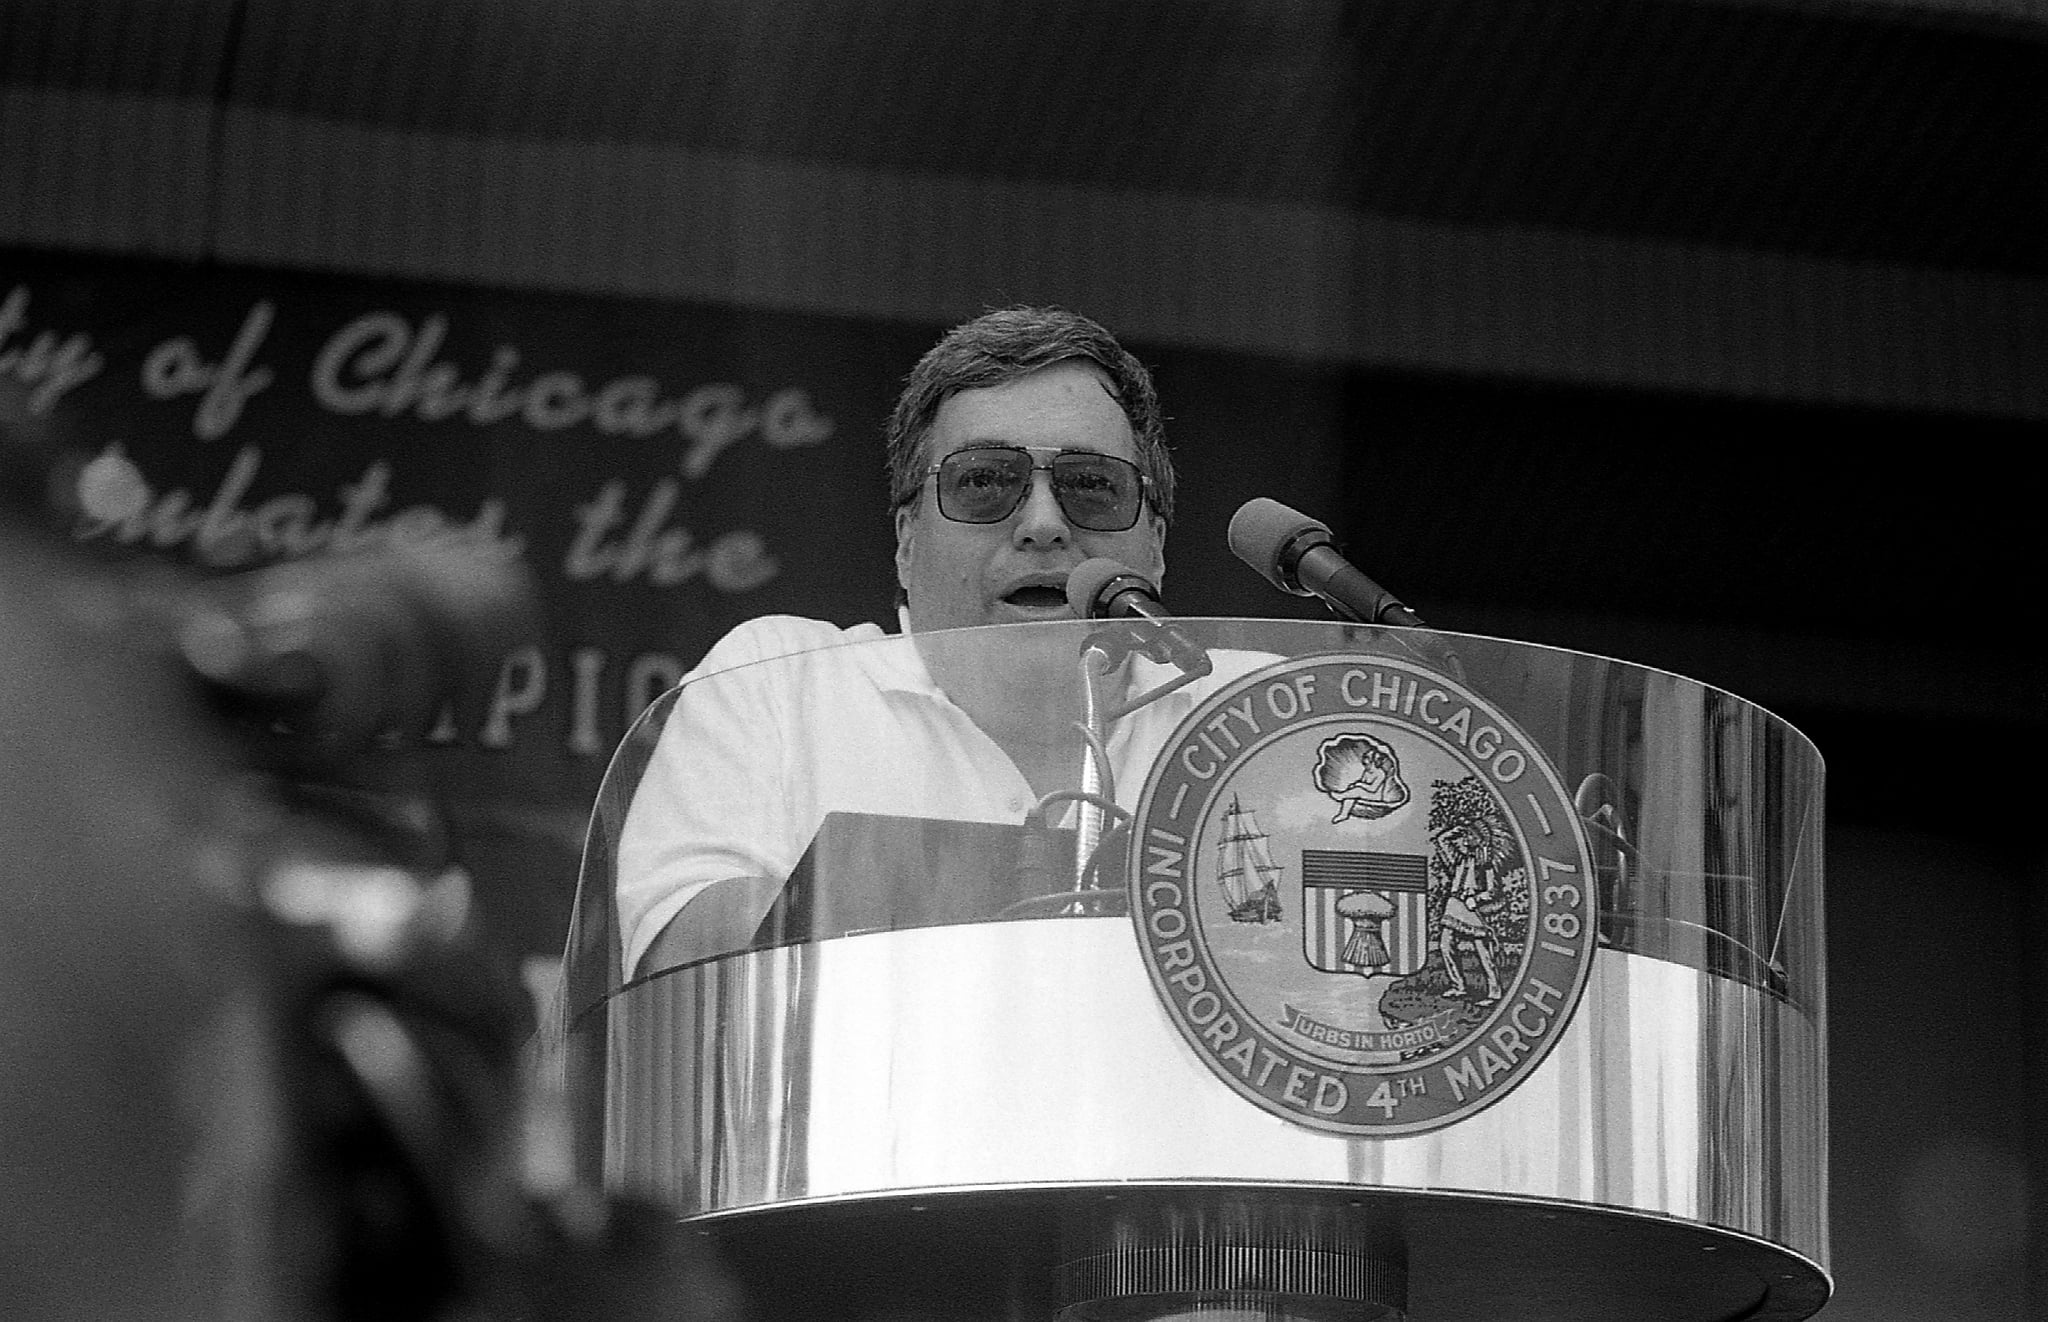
(1362, 894)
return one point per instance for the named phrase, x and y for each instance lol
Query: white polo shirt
(798, 724)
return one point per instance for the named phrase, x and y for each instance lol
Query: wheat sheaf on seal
(1387, 970)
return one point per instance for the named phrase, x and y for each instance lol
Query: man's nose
(1040, 520)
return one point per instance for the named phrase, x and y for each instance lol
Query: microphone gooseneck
(1298, 555)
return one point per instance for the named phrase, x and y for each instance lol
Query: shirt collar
(893, 664)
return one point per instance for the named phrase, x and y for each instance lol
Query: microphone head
(1089, 583)
(1270, 537)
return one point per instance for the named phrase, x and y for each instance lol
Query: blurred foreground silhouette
(257, 1058)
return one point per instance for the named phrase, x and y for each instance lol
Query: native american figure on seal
(1471, 852)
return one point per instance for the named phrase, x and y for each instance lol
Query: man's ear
(1158, 549)
(906, 537)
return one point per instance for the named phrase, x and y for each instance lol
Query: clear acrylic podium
(1358, 972)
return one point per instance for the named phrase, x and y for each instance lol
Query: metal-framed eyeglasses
(986, 483)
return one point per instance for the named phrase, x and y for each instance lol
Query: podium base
(996, 1255)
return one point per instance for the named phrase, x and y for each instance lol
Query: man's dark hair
(1001, 346)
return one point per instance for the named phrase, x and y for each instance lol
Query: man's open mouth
(1037, 596)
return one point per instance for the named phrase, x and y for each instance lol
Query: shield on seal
(1363, 912)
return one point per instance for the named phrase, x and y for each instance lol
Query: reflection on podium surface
(899, 873)
(1538, 1007)
(925, 872)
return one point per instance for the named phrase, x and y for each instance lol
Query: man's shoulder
(767, 636)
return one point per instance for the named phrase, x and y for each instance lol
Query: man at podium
(1026, 442)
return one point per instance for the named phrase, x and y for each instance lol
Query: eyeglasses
(986, 484)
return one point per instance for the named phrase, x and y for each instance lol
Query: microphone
(1102, 589)
(1298, 555)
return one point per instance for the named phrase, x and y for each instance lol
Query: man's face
(960, 574)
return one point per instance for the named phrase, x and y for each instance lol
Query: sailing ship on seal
(1246, 869)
